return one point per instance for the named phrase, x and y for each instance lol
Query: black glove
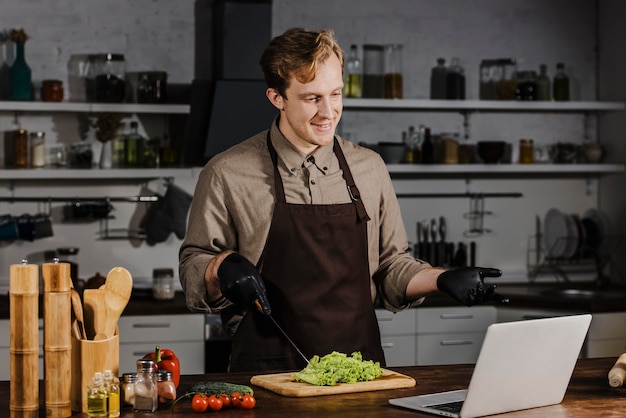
(242, 284)
(466, 285)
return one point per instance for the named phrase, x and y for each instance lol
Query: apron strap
(355, 195)
(278, 181)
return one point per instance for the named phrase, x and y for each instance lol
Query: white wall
(159, 34)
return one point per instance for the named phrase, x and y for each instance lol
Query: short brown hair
(297, 53)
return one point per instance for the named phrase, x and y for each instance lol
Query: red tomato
(199, 402)
(248, 402)
(215, 403)
(226, 400)
(236, 398)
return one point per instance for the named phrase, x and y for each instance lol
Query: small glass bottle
(526, 151)
(97, 397)
(438, 80)
(20, 148)
(146, 393)
(393, 85)
(166, 387)
(543, 84)
(133, 145)
(428, 148)
(455, 81)
(113, 394)
(127, 387)
(560, 87)
(354, 73)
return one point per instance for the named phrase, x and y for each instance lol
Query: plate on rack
(560, 237)
(598, 223)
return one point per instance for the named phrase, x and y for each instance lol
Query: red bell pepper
(166, 360)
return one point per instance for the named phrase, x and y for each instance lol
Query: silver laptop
(521, 365)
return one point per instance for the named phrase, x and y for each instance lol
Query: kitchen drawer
(521, 314)
(190, 355)
(454, 319)
(161, 328)
(612, 347)
(401, 323)
(608, 325)
(399, 350)
(453, 348)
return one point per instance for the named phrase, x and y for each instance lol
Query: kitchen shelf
(77, 174)
(480, 105)
(80, 107)
(512, 169)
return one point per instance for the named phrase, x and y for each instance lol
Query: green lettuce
(336, 367)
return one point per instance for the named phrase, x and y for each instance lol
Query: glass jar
(20, 148)
(393, 71)
(127, 387)
(163, 284)
(152, 87)
(526, 152)
(146, 394)
(52, 91)
(373, 71)
(109, 73)
(38, 149)
(507, 83)
(166, 387)
(526, 89)
(80, 155)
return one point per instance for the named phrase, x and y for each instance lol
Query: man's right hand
(241, 283)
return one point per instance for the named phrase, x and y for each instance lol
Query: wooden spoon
(77, 306)
(117, 288)
(95, 313)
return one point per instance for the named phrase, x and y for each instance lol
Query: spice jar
(163, 284)
(152, 87)
(20, 148)
(127, 387)
(526, 152)
(146, 395)
(38, 149)
(166, 387)
(109, 78)
(52, 90)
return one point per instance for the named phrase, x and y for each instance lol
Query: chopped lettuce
(336, 367)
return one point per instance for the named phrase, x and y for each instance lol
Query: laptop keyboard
(448, 406)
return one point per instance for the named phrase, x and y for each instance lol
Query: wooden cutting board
(283, 384)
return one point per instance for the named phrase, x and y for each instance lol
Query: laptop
(521, 365)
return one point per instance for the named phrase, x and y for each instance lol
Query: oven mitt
(177, 203)
(242, 284)
(156, 222)
(466, 285)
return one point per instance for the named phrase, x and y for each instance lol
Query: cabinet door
(161, 328)
(399, 350)
(454, 319)
(189, 353)
(401, 323)
(608, 326)
(452, 348)
(612, 347)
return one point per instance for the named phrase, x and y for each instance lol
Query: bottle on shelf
(97, 397)
(455, 81)
(560, 87)
(133, 145)
(543, 84)
(354, 74)
(112, 387)
(428, 148)
(438, 80)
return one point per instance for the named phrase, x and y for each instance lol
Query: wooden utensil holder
(89, 357)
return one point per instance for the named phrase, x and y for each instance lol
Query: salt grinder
(57, 346)
(24, 340)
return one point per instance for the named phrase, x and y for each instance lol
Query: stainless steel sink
(583, 294)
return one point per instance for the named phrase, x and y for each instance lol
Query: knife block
(89, 357)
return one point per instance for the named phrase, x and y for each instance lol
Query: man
(315, 216)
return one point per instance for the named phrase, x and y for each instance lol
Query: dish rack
(585, 259)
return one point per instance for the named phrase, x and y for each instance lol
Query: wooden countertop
(588, 395)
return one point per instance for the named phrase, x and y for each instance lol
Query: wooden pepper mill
(24, 340)
(57, 346)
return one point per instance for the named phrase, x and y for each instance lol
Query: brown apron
(315, 268)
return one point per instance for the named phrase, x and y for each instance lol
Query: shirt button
(312, 181)
(293, 169)
(325, 168)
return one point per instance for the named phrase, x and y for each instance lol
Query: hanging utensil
(441, 251)
(433, 248)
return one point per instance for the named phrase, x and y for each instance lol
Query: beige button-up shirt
(234, 199)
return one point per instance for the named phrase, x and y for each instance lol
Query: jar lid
(145, 365)
(162, 273)
(129, 377)
(114, 57)
(164, 376)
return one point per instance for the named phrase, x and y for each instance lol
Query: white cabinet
(607, 335)
(398, 338)
(184, 334)
(5, 345)
(451, 335)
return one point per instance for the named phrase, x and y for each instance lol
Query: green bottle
(560, 90)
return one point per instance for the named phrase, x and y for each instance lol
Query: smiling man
(306, 225)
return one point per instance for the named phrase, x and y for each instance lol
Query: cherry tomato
(248, 402)
(226, 400)
(199, 402)
(236, 398)
(215, 403)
